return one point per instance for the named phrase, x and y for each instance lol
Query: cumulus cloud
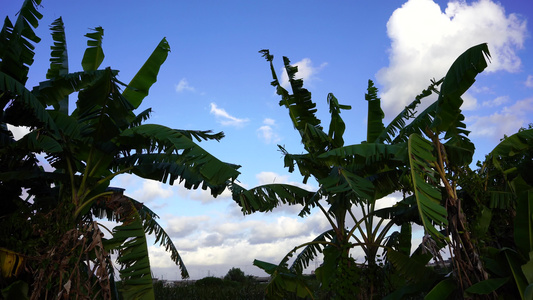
(225, 118)
(185, 225)
(184, 85)
(283, 228)
(306, 71)
(529, 81)
(266, 133)
(505, 121)
(271, 177)
(425, 41)
(498, 101)
(151, 190)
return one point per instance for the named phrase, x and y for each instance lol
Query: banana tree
(350, 178)
(499, 197)
(395, 157)
(50, 215)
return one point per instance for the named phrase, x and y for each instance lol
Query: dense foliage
(55, 186)
(425, 156)
(54, 181)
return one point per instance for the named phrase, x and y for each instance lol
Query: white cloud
(283, 228)
(225, 118)
(306, 71)
(183, 226)
(18, 131)
(266, 132)
(529, 81)
(496, 101)
(184, 85)
(271, 177)
(151, 190)
(269, 122)
(469, 101)
(425, 41)
(506, 121)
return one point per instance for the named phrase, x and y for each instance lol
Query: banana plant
(505, 190)
(350, 178)
(86, 145)
(406, 155)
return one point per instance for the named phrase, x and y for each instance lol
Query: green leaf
(130, 241)
(139, 86)
(442, 290)
(301, 107)
(172, 155)
(527, 269)
(59, 58)
(458, 79)
(397, 127)
(27, 99)
(413, 268)
(266, 197)
(265, 266)
(428, 195)
(511, 146)
(486, 287)
(94, 54)
(528, 293)
(17, 41)
(375, 114)
(103, 209)
(482, 223)
(336, 126)
(516, 270)
(523, 223)
(17, 290)
(341, 180)
(59, 55)
(310, 251)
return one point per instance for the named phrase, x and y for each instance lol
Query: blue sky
(214, 78)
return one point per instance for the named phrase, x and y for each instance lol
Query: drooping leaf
(342, 181)
(366, 153)
(336, 126)
(486, 287)
(512, 145)
(282, 280)
(413, 268)
(51, 92)
(428, 195)
(458, 79)
(17, 41)
(266, 197)
(311, 251)
(182, 158)
(129, 240)
(139, 86)
(28, 100)
(103, 208)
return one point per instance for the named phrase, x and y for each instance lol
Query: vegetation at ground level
(52, 246)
